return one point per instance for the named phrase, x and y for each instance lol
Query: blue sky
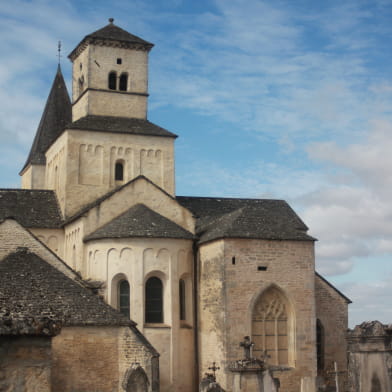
(272, 99)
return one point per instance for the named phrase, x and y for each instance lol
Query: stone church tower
(196, 274)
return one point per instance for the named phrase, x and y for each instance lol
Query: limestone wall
(332, 313)
(25, 364)
(233, 275)
(136, 260)
(33, 177)
(91, 69)
(96, 358)
(81, 170)
(52, 238)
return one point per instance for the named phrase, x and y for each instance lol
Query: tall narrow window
(119, 171)
(270, 327)
(123, 297)
(182, 299)
(154, 301)
(124, 82)
(112, 81)
(320, 345)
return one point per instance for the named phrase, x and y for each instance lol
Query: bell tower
(110, 74)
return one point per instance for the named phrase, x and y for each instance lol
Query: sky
(282, 99)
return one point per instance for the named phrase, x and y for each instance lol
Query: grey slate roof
(31, 289)
(56, 115)
(119, 125)
(30, 207)
(245, 218)
(140, 221)
(111, 34)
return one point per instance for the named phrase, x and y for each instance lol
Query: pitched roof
(140, 221)
(109, 35)
(30, 207)
(245, 218)
(32, 289)
(119, 125)
(56, 115)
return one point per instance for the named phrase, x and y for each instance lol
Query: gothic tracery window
(270, 327)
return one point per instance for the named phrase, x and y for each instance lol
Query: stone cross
(247, 344)
(59, 50)
(214, 368)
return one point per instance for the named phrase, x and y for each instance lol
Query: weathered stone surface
(370, 357)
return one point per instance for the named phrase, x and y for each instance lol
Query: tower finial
(111, 20)
(59, 50)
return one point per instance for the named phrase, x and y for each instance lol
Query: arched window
(119, 171)
(135, 380)
(320, 345)
(112, 81)
(182, 299)
(123, 82)
(270, 327)
(123, 297)
(154, 301)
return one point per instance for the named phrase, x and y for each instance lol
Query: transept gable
(140, 221)
(137, 191)
(14, 236)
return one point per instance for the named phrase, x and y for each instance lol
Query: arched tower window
(154, 301)
(182, 299)
(112, 81)
(123, 82)
(124, 297)
(320, 344)
(119, 171)
(271, 327)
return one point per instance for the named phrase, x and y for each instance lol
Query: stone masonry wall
(25, 364)
(97, 358)
(86, 359)
(230, 284)
(331, 310)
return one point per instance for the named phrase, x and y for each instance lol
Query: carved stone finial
(111, 20)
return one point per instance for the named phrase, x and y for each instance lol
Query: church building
(188, 277)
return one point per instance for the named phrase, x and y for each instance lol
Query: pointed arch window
(182, 299)
(271, 327)
(154, 300)
(119, 171)
(112, 81)
(124, 297)
(123, 82)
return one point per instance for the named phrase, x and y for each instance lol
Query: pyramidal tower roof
(57, 114)
(111, 35)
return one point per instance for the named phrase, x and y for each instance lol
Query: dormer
(110, 74)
